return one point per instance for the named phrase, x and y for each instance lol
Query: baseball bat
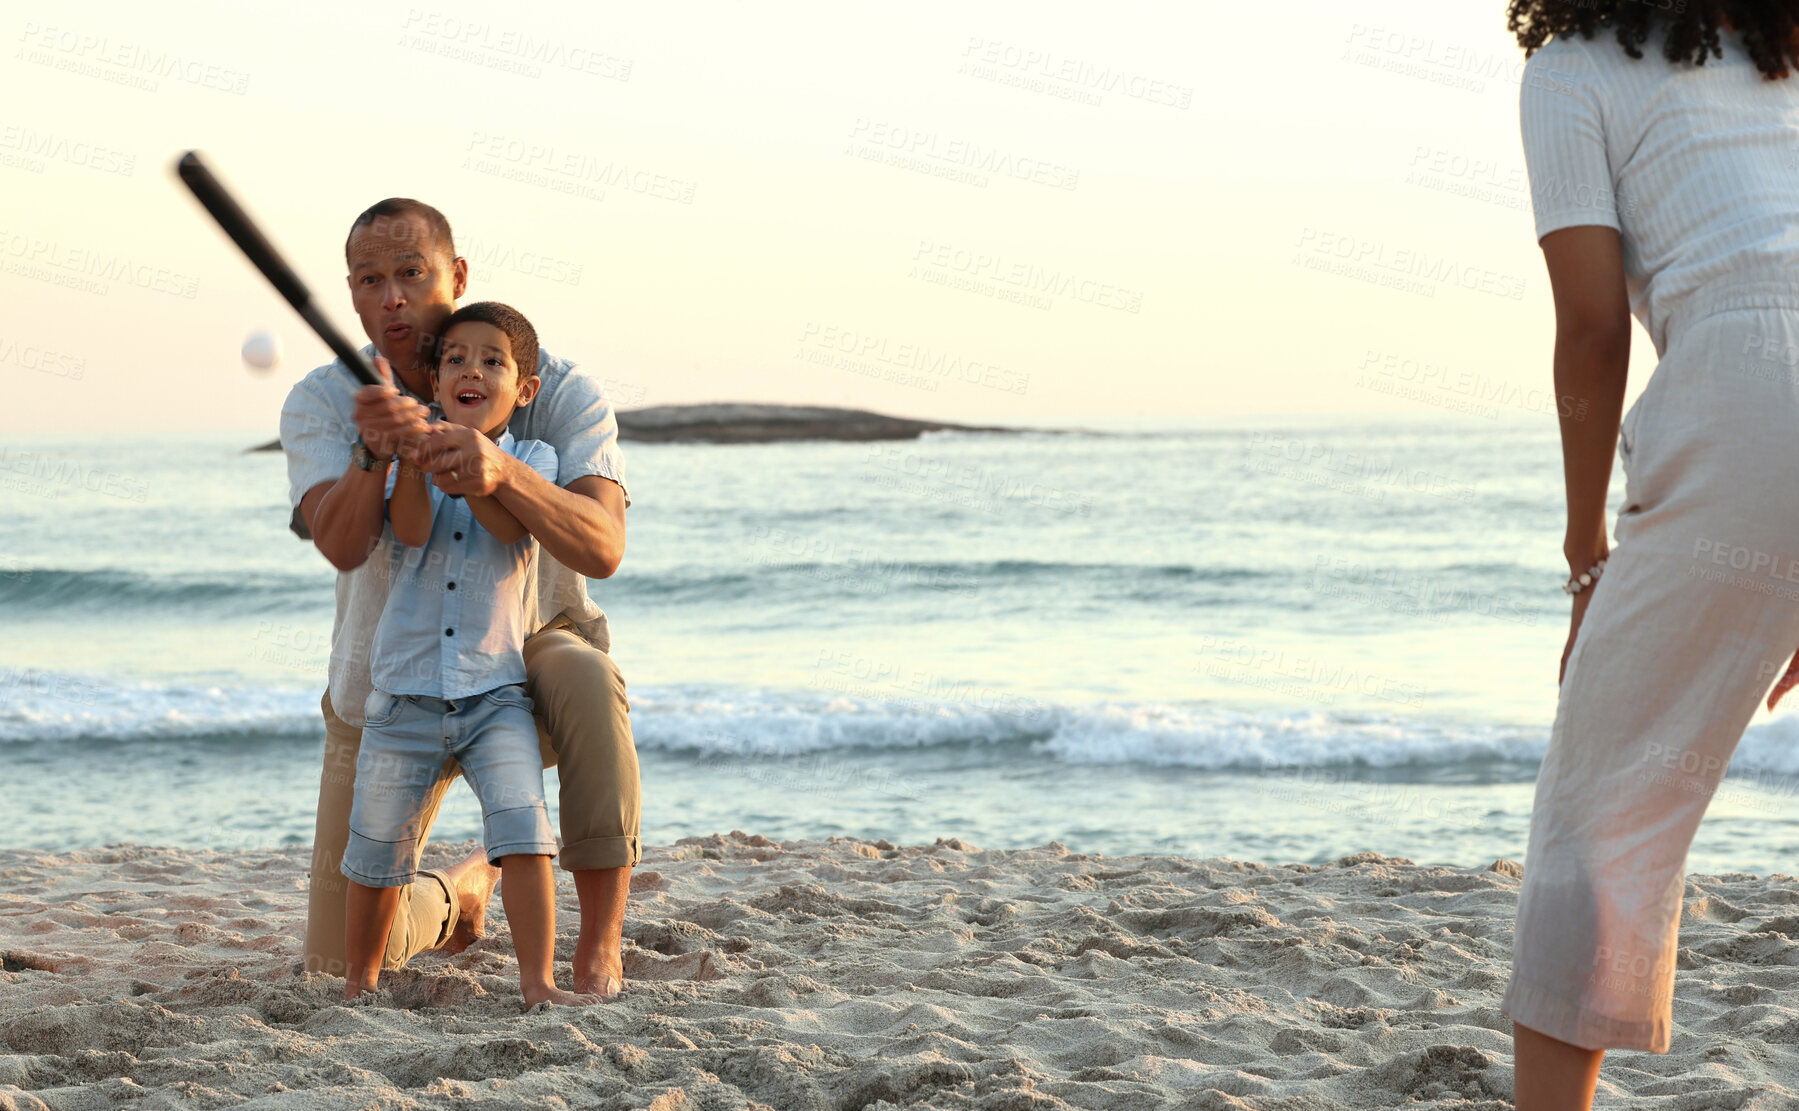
(243, 231)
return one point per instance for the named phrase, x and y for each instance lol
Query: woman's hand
(1581, 602)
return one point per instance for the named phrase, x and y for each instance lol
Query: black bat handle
(243, 231)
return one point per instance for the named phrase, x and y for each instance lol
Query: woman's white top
(1697, 167)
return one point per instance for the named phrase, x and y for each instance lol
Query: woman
(1665, 187)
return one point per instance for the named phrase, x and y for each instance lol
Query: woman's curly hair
(1767, 27)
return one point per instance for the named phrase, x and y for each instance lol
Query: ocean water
(1278, 642)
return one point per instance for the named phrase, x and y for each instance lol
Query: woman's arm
(1592, 360)
(1592, 363)
(409, 506)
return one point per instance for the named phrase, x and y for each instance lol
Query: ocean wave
(771, 571)
(53, 708)
(1153, 735)
(49, 707)
(48, 590)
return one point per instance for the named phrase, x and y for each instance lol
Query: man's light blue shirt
(454, 623)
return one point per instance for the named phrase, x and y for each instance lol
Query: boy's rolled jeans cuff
(600, 852)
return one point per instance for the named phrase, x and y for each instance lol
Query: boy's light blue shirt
(570, 413)
(454, 623)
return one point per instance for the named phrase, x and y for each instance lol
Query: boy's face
(478, 384)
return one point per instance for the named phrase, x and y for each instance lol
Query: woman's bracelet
(1580, 582)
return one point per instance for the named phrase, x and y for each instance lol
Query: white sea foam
(46, 706)
(49, 707)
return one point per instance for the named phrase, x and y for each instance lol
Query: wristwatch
(366, 459)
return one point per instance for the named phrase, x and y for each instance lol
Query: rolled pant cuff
(519, 848)
(600, 852)
(455, 915)
(1554, 1014)
(376, 881)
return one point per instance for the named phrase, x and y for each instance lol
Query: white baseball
(262, 350)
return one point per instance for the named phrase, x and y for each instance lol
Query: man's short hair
(402, 207)
(519, 333)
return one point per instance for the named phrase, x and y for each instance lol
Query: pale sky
(847, 205)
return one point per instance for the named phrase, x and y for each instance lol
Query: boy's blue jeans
(406, 742)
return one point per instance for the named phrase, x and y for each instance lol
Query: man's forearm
(1593, 370)
(574, 528)
(346, 522)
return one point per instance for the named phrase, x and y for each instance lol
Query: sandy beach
(854, 974)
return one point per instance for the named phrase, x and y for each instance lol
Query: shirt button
(449, 632)
(458, 536)
(449, 586)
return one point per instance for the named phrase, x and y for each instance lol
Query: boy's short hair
(507, 319)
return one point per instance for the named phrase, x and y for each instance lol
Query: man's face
(403, 284)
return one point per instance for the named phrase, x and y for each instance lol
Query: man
(340, 440)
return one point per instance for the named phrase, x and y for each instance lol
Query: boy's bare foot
(474, 879)
(550, 993)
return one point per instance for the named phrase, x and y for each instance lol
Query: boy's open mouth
(470, 397)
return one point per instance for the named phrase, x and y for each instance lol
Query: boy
(449, 672)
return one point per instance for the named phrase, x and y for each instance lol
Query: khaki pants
(583, 728)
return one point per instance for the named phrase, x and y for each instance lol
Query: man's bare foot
(598, 970)
(598, 966)
(474, 879)
(550, 993)
(354, 988)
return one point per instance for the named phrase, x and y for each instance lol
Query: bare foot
(552, 994)
(598, 971)
(474, 879)
(352, 989)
